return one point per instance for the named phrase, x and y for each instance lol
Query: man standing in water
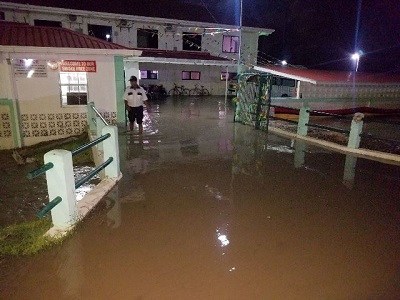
(134, 98)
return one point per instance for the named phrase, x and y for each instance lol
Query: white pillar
(304, 117)
(355, 131)
(111, 149)
(61, 182)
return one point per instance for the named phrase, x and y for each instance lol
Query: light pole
(108, 37)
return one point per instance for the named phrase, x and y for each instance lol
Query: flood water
(210, 209)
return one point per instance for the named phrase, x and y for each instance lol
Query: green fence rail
(93, 173)
(90, 144)
(49, 207)
(40, 170)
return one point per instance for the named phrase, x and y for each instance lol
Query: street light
(356, 57)
(284, 62)
(108, 36)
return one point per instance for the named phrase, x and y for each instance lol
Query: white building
(194, 38)
(49, 74)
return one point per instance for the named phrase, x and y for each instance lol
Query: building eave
(79, 51)
(178, 61)
(282, 74)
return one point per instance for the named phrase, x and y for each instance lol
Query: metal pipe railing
(99, 115)
(49, 206)
(285, 120)
(93, 173)
(323, 113)
(40, 170)
(328, 128)
(90, 144)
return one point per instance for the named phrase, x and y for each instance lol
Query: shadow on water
(209, 209)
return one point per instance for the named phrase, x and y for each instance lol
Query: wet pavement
(209, 209)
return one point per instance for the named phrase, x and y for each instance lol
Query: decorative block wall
(58, 124)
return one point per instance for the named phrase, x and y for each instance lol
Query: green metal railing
(90, 144)
(49, 207)
(93, 172)
(40, 170)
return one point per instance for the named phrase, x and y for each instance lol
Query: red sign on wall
(78, 66)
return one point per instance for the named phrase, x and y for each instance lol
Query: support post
(304, 117)
(61, 183)
(111, 149)
(349, 171)
(299, 153)
(91, 116)
(355, 131)
(99, 129)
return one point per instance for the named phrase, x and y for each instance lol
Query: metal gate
(253, 100)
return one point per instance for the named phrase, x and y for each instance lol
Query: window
(231, 75)
(148, 74)
(191, 41)
(101, 32)
(2, 16)
(147, 38)
(230, 44)
(73, 88)
(190, 75)
(283, 81)
(47, 23)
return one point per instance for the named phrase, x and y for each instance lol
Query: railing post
(100, 125)
(111, 149)
(299, 153)
(304, 117)
(355, 131)
(60, 182)
(349, 170)
(91, 116)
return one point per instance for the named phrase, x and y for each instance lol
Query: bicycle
(178, 91)
(196, 91)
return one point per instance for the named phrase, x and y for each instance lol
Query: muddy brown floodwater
(209, 209)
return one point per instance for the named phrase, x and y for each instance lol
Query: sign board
(78, 66)
(29, 68)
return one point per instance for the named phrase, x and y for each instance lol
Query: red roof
(19, 34)
(180, 54)
(319, 76)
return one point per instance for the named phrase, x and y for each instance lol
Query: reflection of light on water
(83, 190)
(223, 238)
(79, 172)
(280, 149)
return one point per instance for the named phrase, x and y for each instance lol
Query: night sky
(316, 34)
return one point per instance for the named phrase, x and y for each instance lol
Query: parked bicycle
(178, 91)
(196, 91)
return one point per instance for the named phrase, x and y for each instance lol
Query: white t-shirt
(133, 96)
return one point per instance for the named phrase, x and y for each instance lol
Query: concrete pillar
(304, 117)
(355, 131)
(91, 116)
(99, 129)
(111, 149)
(299, 153)
(349, 171)
(61, 182)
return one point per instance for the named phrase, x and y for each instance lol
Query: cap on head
(133, 78)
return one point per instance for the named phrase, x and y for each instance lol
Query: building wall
(125, 33)
(42, 115)
(168, 74)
